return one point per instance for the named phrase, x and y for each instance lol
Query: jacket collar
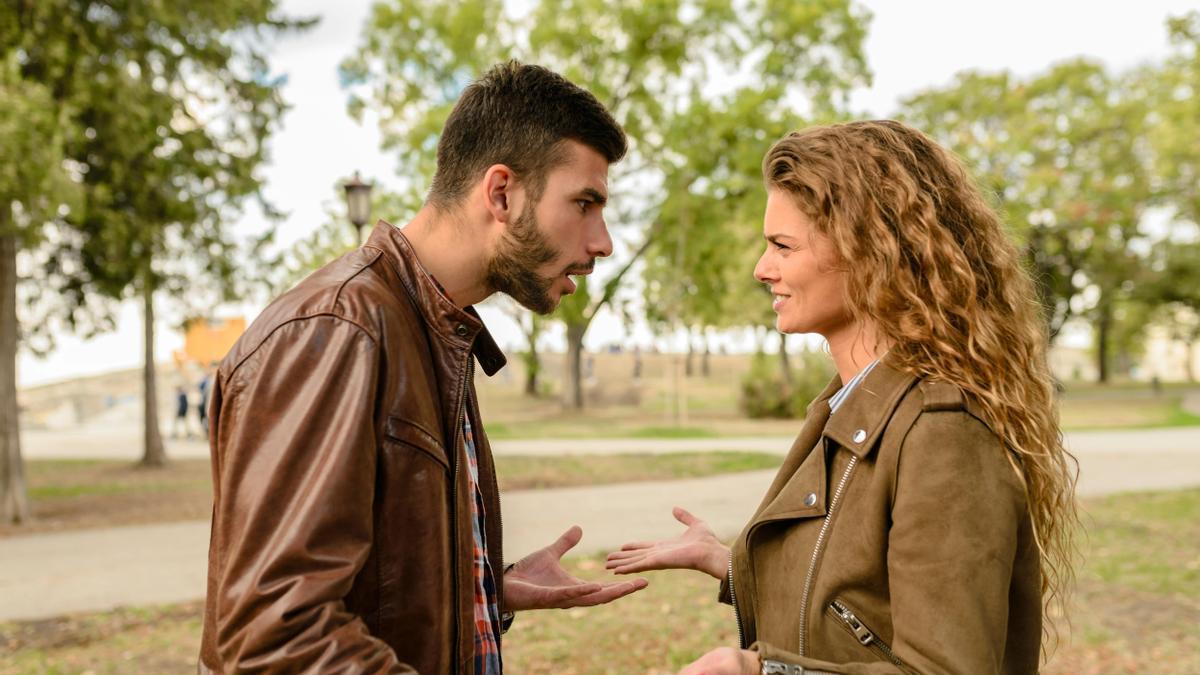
(863, 416)
(451, 323)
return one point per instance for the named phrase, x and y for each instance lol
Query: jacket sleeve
(297, 460)
(956, 513)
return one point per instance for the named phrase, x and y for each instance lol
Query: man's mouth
(580, 271)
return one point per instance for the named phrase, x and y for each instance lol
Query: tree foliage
(1063, 155)
(658, 66)
(161, 115)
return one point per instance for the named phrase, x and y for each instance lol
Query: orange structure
(207, 341)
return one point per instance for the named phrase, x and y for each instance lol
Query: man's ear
(499, 186)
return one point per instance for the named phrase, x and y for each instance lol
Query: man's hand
(539, 581)
(696, 549)
(725, 661)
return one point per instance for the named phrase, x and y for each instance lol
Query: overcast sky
(911, 45)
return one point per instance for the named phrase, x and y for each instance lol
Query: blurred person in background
(202, 402)
(179, 425)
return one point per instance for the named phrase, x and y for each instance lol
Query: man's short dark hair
(519, 116)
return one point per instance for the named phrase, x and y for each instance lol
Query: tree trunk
(14, 500)
(1190, 360)
(785, 364)
(573, 392)
(681, 403)
(153, 453)
(1103, 337)
(705, 366)
(533, 361)
(760, 341)
(689, 368)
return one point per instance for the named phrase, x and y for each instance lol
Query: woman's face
(800, 268)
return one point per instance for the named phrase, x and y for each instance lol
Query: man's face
(559, 236)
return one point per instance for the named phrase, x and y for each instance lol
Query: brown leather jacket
(895, 538)
(341, 536)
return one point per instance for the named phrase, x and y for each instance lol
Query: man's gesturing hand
(696, 549)
(539, 581)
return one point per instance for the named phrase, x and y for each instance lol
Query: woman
(922, 520)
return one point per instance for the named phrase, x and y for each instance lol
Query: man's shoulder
(351, 291)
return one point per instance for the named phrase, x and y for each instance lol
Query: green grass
(70, 478)
(1124, 410)
(672, 432)
(524, 472)
(1146, 542)
(68, 491)
(1182, 418)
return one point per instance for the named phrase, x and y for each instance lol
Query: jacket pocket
(410, 435)
(848, 619)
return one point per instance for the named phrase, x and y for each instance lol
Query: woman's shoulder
(940, 424)
(929, 395)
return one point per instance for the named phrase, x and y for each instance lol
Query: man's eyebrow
(594, 195)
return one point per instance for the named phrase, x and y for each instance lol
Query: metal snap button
(461, 329)
(810, 499)
(860, 436)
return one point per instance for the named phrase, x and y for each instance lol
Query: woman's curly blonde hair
(935, 271)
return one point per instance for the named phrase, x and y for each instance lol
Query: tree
(1174, 123)
(1064, 155)
(532, 326)
(1172, 284)
(161, 114)
(652, 64)
(175, 107)
(1172, 288)
(33, 190)
(699, 272)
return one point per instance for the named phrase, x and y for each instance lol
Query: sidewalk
(52, 574)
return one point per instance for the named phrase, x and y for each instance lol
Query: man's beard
(523, 250)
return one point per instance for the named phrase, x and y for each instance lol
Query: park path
(47, 575)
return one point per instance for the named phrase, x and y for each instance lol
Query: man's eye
(583, 204)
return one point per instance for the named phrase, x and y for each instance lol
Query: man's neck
(446, 249)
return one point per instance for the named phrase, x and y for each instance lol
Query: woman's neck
(855, 348)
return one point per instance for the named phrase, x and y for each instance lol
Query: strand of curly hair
(936, 272)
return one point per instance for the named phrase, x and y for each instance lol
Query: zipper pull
(864, 634)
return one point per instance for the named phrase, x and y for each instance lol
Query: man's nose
(600, 244)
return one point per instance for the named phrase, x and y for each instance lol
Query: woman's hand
(725, 661)
(696, 549)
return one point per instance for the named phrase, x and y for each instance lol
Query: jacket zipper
(865, 636)
(812, 565)
(737, 616)
(459, 447)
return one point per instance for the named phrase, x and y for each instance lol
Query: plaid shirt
(487, 603)
(487, 610)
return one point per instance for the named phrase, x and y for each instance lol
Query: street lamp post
(358, 203)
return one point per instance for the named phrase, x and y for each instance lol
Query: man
(356, 518)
